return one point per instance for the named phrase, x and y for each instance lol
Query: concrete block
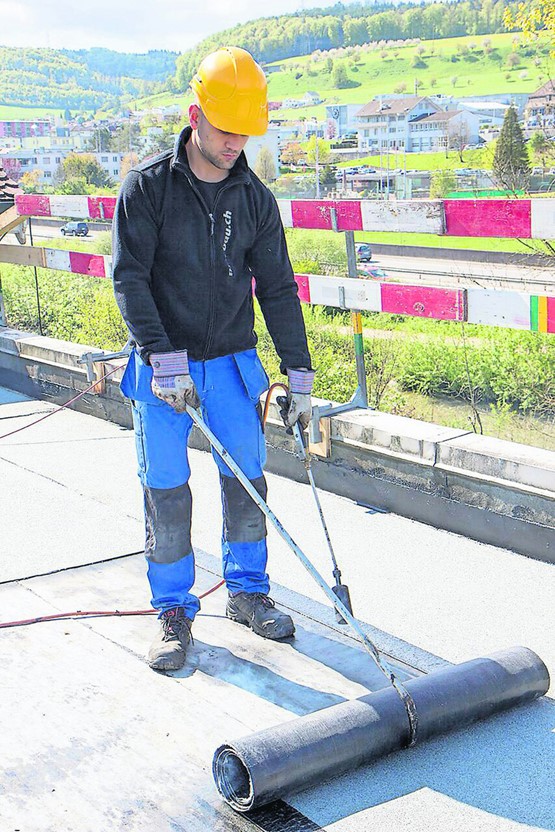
(497, 459)
(398, 434)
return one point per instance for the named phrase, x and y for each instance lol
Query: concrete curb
(487, 489)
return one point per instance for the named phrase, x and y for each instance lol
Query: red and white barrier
(516, 218)
(523, 218)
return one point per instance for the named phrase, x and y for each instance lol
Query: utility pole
(317, 159)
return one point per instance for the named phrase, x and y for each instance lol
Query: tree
(511, 165)
(541, 147)
(264, 166)
(83, 166)
(531, 18)
(129, 161)
(30, 180)
(292, 153)
(442, 182)
(458, 136)
(317, 148)
(339, 77)
(12, 167)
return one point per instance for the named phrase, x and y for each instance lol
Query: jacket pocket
(253, 374)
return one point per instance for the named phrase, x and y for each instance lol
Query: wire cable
(61, 407)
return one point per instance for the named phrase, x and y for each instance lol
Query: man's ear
(194, 113)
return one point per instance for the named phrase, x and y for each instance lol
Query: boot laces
(265, 600)
(176, 625)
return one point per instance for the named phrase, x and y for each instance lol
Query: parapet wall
(487, 489)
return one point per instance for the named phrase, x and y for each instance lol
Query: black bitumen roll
(257, 769)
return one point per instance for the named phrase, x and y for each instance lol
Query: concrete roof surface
(95, 740)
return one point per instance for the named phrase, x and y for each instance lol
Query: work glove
(297, 405)
(171, 380)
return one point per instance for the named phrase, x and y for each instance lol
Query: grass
(481, 158)
(10, 113)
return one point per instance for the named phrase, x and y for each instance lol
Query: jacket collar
(240, 170)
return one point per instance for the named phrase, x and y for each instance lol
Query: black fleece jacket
(183, 275)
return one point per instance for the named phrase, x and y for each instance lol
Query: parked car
(363, 252)
(75, 229)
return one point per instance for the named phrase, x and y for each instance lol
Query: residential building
(414, 123)
(22, 129)
(540, 109)
(385, 121)
(310, 98)
(48, 159)
(443, 130)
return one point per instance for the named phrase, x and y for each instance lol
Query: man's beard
(220, 163)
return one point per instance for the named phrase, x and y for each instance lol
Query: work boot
(258, 611)
(167, 651)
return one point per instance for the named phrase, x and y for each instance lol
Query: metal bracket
(92, 358)
(358, 402)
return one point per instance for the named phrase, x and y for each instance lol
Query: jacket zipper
(212, 284)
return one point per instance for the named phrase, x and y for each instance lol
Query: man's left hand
(297, 406)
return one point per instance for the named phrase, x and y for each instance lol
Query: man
(191, 229)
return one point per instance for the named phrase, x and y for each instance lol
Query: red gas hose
(79, 614)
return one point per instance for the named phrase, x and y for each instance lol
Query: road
(467, 273)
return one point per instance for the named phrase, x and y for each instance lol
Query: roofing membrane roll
(269, 764)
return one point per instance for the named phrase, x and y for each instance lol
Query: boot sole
(246, 622)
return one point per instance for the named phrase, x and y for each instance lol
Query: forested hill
(91, 79)
(80, 80)
(276, 38)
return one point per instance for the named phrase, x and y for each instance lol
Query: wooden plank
(415, 215)
(496, 308)
(424, 301)
(284, 206)
(543, 219)
(32, 205)
(10, 219)
(348, 214)
(69, 206)
(488, 217)
(57, 259)
(91, 264)
(101, 207)
(357, 294)
(22, 255)
(303, 283)
(311, 213)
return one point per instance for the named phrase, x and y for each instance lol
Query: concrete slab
(94, 740)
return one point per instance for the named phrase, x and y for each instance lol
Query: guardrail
(486, 218)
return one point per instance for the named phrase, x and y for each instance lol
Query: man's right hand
(171, 380)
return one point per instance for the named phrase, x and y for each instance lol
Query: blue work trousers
(229, 389)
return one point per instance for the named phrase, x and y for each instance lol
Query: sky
(130, 25)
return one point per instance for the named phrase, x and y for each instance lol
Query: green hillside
(463, 66)
(40, 80)
(455, 66)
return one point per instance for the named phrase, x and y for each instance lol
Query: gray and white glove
(171, 380)
(297, 406)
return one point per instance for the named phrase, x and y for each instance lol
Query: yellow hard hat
(231, 90)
